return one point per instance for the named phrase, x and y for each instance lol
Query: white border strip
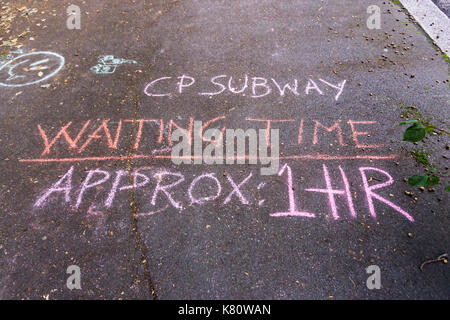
(435, 23)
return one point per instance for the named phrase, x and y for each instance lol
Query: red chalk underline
(293, 157)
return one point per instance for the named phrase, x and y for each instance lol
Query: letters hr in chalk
(255, 87)
(169, 189)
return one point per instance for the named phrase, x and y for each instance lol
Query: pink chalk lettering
(94, 213)
(335, 126)
(359, 133)
(293, 211)
(62, 185)
(204, 199)
(331, 192)
(187, 133)
(63, 132)
(237, 190)
(165, 188)
(208, 123)
(348, 194)
(114, 188)
(371, 195)
(86, 185)
(150, 213)
(300, 132)
(135, 185)
(139, 131)
(104, 126)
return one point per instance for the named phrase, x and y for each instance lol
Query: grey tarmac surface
(163, 240)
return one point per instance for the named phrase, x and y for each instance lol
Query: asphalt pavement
(88, 177)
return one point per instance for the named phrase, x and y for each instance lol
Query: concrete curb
(435, 23)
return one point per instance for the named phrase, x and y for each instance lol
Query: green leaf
(417, 180)
(408, 122)
(414, 133)
(447, 188)
(431, 181)
(421, 157)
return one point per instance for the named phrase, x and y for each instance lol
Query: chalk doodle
(30, 68)
(109, 64)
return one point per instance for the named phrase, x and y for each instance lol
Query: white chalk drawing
(29, 68)
(109, 64)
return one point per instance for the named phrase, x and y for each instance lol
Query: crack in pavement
(134, 209)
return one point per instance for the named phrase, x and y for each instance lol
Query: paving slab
(433, 18)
